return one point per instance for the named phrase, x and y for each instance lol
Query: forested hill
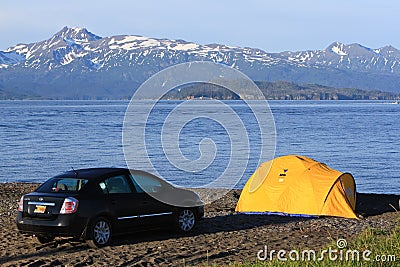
(282, 90)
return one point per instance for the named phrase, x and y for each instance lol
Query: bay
(40, 139)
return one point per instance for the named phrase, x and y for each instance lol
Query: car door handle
(113, 202)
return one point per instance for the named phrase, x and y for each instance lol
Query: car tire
(100, 232)
(44, 239)
(185, 220)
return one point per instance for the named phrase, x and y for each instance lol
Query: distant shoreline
(278, 90)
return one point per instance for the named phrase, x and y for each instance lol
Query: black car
(95, 204)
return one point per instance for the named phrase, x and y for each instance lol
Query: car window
(143, 182)
(116, 185)
(55, 185)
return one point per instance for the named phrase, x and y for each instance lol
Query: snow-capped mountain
(78, 44)
(75, 63)
(350, 57)
(61, 49)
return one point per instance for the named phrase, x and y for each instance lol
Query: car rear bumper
(63, 225)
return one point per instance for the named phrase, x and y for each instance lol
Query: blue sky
(269, 25)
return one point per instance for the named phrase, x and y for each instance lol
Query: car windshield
(55, 185)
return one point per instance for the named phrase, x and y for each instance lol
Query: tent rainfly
(298, 185)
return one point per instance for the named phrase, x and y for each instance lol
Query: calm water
(42, 138)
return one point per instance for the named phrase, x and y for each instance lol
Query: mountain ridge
(77, 63)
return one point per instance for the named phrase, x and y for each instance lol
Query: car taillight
(21, 204)
(69, 206)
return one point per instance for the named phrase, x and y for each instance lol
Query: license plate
(40, 209)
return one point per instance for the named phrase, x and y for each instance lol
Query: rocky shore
(223, 237)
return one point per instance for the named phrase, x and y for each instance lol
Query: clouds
(269, 25)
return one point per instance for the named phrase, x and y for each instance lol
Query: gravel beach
(223, 237)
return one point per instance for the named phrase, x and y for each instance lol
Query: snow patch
(128, 46)
(20, 49)
(132, 42)
(28, 54)
(127, 39)
(150, 43)
(185, 47)
(339, 51)
(68, 58)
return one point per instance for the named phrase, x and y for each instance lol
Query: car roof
(92, 173)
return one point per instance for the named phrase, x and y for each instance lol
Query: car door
(122, 202)
(153, 212)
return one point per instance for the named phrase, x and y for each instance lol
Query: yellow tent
(299, 185)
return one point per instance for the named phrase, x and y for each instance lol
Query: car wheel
(99, 233)
(186, 220)
(43, 239)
